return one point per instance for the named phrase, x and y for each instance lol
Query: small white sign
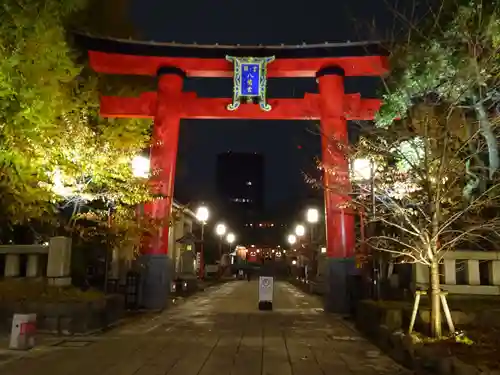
(23, 331)
(266, 289)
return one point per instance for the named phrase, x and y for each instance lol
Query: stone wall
(56, 256)
(386, 324)
(464, 272)
(69, 317)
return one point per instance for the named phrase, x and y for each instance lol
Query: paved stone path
(219, 332)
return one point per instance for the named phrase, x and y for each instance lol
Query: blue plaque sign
(250, 74)
(250, 81)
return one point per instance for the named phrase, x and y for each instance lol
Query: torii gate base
(169, 104)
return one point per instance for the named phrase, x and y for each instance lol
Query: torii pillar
(340, 232)
(155, 258)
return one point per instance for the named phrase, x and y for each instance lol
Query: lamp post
(220, 230)
(312, 217)
(292, 240)
(300, 231)
(202, 215)
(363, 171)
(107, 249)
(141, 167)
(230, 238)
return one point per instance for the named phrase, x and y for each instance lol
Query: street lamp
(312, 215)
(363, 171)
(292, 239)
(202, 215)
(300, 230)
(230, 238)
(220, 230)
(140, 166)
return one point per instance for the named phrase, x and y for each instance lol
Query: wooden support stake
(418, 293)
(447, 312)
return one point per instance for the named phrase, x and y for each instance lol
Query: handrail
(472, 255)
(24, 249)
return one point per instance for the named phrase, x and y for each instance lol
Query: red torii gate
(171, 63)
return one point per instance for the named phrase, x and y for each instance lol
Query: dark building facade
(240, 181)
(240, 186)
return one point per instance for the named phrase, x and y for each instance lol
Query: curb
(418, 357)
(58, 336)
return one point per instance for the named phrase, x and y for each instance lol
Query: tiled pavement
(219, 332)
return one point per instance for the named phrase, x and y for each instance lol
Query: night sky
(289, 146)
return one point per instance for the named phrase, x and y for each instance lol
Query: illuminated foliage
(432, 190)
(54, 149)
(452, 57)
(418, 212)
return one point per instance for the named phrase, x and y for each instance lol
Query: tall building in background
(109, 18)
(240, 186)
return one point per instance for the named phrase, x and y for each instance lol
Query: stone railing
(465, 272)
(56, 254)
(180, 252)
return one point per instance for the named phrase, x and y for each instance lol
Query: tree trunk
(435, 300)
(490, 137)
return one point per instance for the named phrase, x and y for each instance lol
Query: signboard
(266, 289)
(250, 74)
(249, 81)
